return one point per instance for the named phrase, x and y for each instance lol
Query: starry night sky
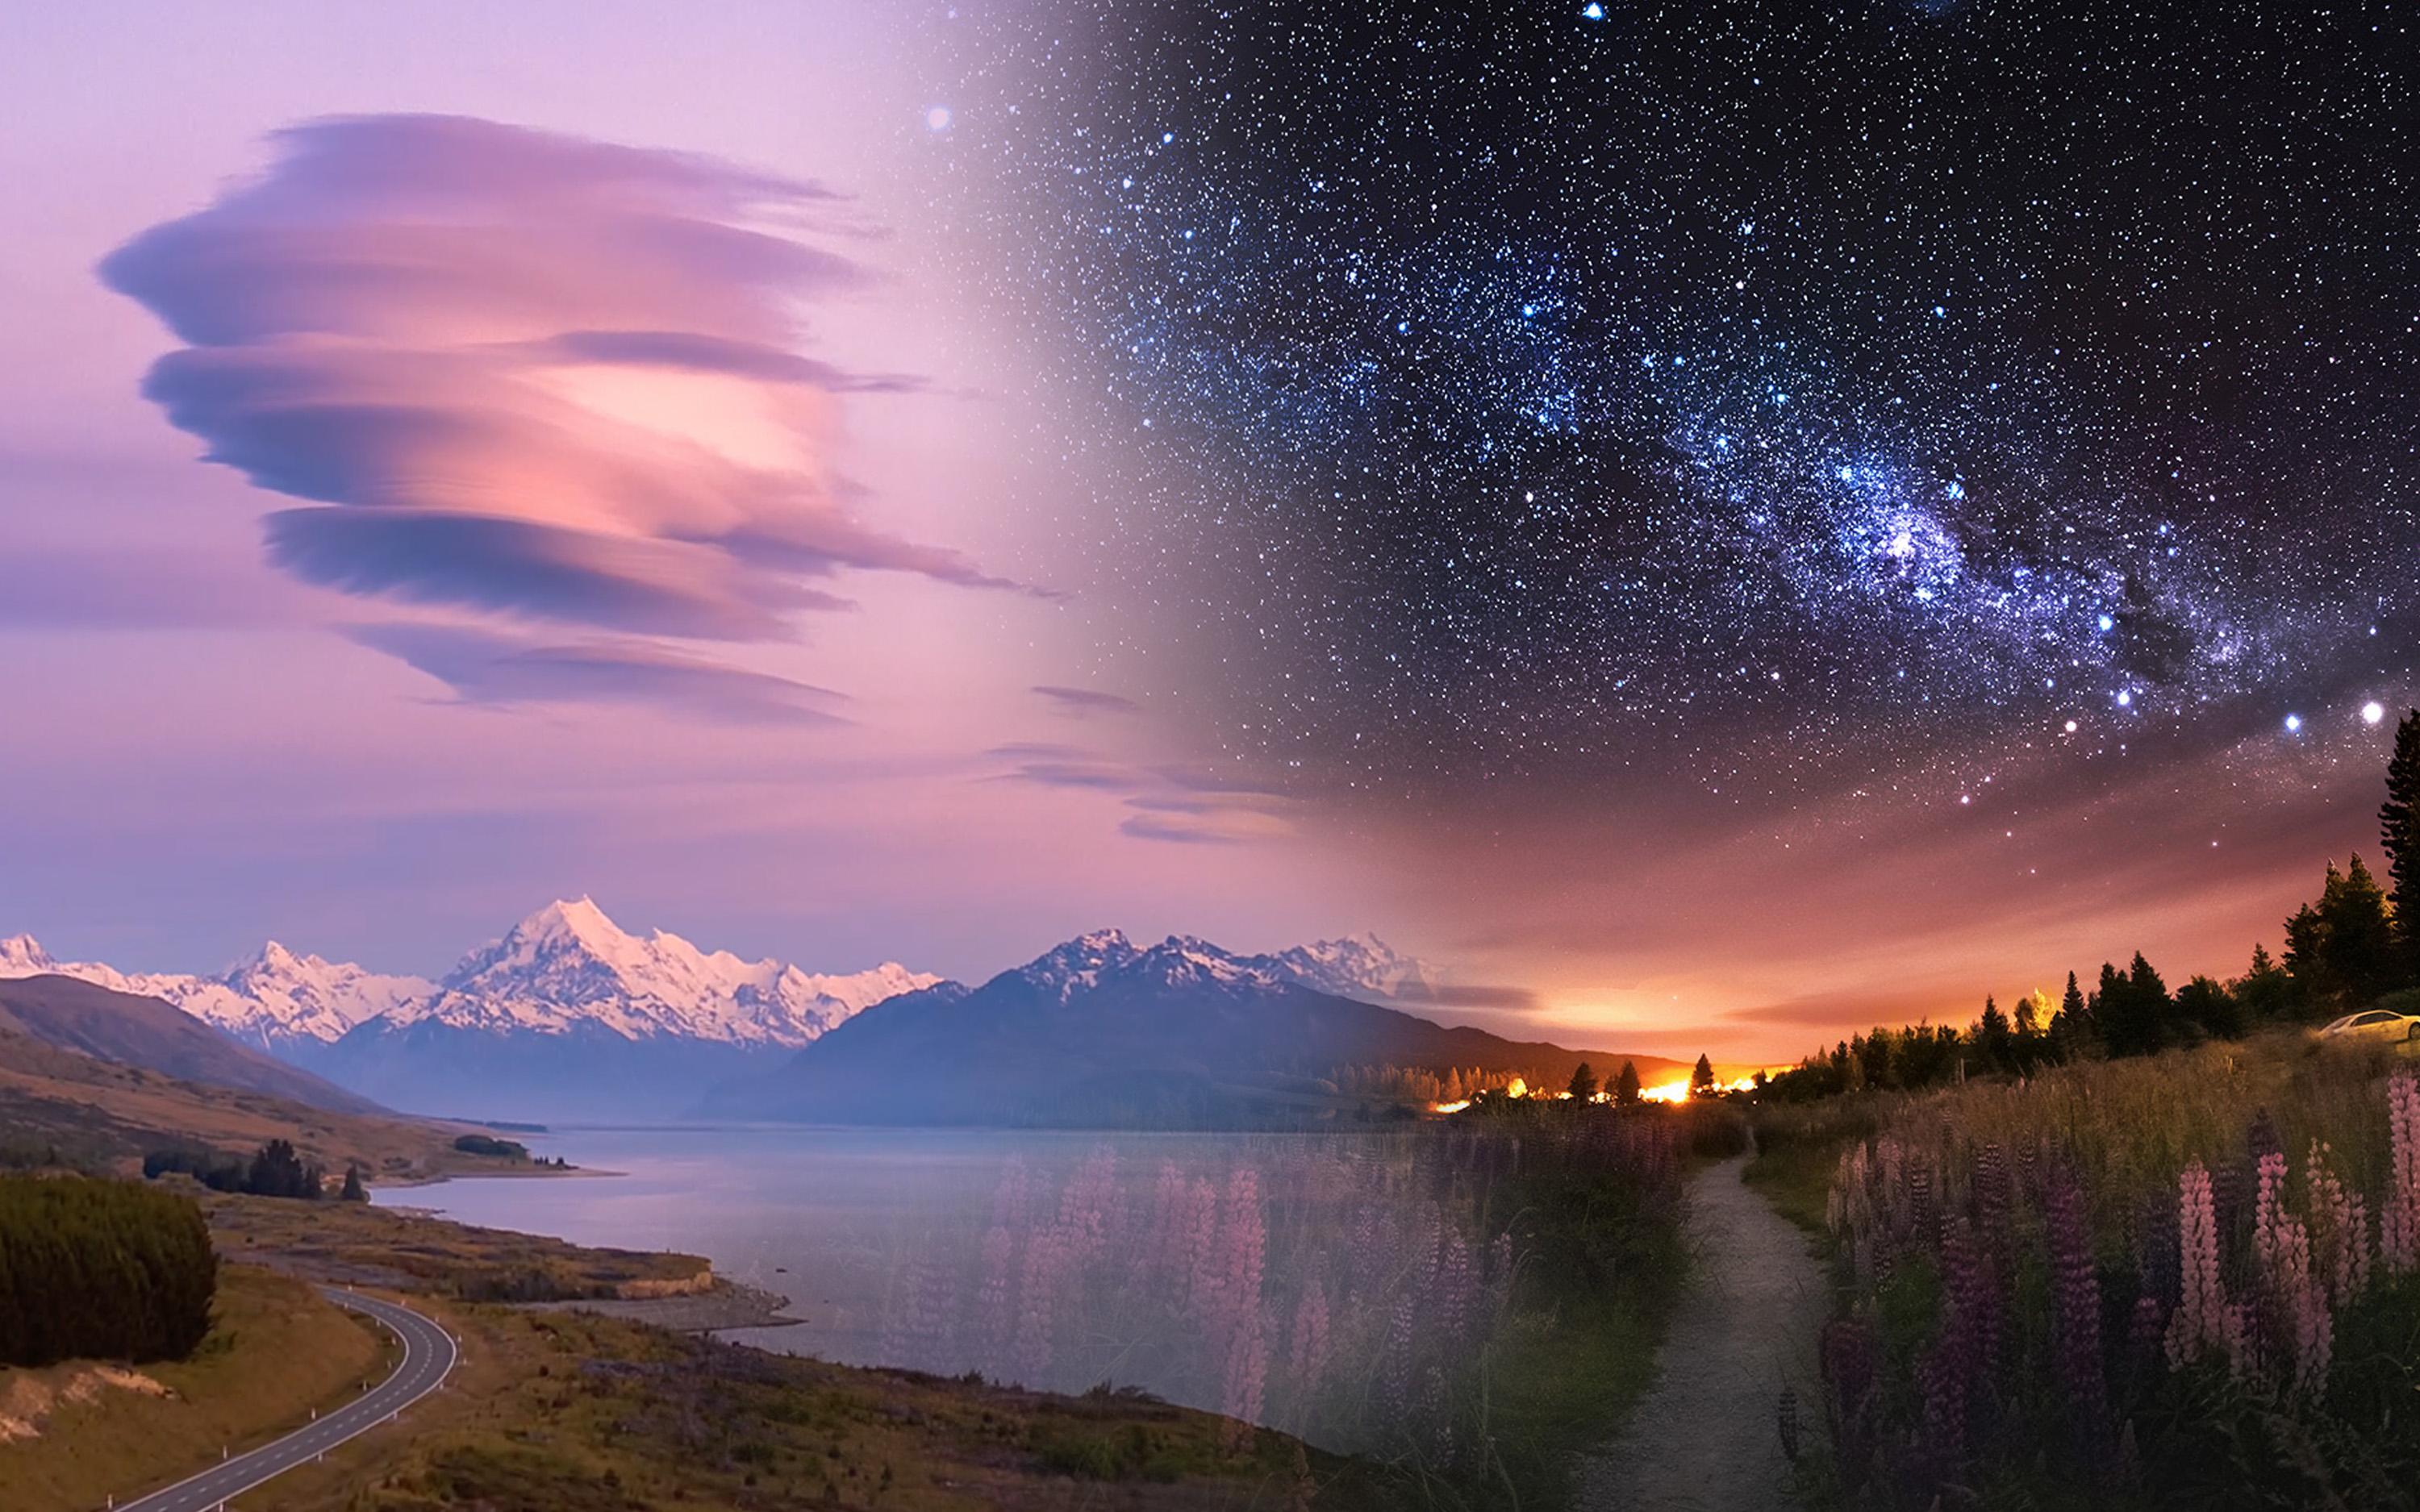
(1723, 397)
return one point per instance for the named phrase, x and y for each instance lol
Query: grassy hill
(72, 1434)
(63, 1106)
(130, 1030)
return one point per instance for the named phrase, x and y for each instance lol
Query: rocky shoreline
(726, 1304)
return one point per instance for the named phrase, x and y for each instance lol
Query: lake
(1317, 1281)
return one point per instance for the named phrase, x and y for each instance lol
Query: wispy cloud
(1174, 805)
(1085, 701)
(524, 373)
(506, 671)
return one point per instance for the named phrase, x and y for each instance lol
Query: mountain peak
(1078, 963)
(21, 955)
(274, 957)
(572, 918)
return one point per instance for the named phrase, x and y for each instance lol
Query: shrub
(105, 1269)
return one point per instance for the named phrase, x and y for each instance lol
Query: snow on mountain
(568, 965)
(276, 998)
(1360, 965)
(1363, 967)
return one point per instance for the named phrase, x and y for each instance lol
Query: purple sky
(203, 749)
(678, 535)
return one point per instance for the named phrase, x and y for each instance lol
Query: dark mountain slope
(128, 1030)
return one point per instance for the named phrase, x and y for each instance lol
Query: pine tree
(1994, 1042)
(2265, 990)
(1583, 1088)
(1701, 1080)
(2306, 952)
(1626, 1092)
(2398, 827)
(2124, 1020)
(354, 1191)
(2212, 1007)
(2362, 952)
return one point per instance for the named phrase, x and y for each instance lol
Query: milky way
(1725, 391)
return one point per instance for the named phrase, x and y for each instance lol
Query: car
(2374, 1024)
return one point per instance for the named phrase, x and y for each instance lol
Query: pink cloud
(524, 373)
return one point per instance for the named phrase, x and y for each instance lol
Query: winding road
(428, 1354)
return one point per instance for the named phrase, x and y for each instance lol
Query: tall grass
(1367, 1292)
(2189, 1279)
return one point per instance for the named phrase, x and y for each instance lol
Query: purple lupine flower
(1454, 1283)
(1973, 1291)
(2075, 1298)
(1994, 1201)
(1849, 1360)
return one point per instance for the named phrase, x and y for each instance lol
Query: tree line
(2357, 944)
(101, 1270)
(276, 1170)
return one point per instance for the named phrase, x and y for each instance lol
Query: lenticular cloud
(521, 372)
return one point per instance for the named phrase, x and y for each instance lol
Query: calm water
(1333, 1285)
(827, 1217)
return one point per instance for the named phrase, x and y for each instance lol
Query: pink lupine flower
(2203, 1320)
(2303, 1303)
(1307, 1363)
(2398, 1211)
(2268, 1210)
(996, 1303)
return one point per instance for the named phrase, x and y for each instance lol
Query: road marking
(202, 1491)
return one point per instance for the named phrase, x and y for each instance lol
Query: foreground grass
(274, 1353)
(1575, 1377)
(2014, 1327)
(575, 1413)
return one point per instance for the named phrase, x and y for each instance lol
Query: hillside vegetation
(59, 1106)
(2188, 1280)
(101, 1269)
(73, 1434)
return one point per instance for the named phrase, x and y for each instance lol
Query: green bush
(101, 1270)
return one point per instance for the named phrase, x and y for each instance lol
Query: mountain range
(567, 1015)
(1105, 1031)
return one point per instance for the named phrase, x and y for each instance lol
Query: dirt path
(1705, 1438)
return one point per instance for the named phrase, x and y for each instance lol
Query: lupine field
(1364, 1291)
(2188, 1281)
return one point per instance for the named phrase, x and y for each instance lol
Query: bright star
(2294, 724)
(1592, 11)
(938, 118)
(2372, 712)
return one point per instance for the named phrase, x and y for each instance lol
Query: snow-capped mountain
(1363, 967)
(276, 1000)
(568, 966)
(1105, 1031)
(567, 1015)
(571, 1016)
(1358, 966)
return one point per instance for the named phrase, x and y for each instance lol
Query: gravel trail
(1706, 1438)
